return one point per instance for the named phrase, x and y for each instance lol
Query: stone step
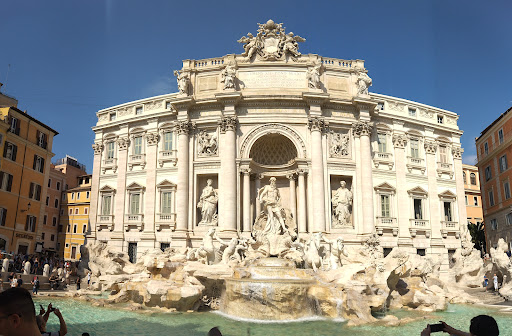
(486, 296)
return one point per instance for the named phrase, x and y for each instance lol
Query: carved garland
(227, 124)
(269, 129)
(360, 128)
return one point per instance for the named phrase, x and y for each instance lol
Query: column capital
(317, 124)
(457, 152)
(123, 143)
(152, 138)
(430, 146)
(98, 148)
(227, 123)
(184, 126)
(291, 176)
(246, 171)
(399, 140)
(301, 172)
(360, 128)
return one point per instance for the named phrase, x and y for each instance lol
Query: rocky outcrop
(502, 267)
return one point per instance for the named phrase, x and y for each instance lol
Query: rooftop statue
(271, 43)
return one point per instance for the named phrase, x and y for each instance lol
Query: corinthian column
(95, 186)
(433, 198)
(399, 142)
(293, 196)
(317, 126)
(228, 197)
(150, 196)
(362, 130)
(247, 200)
(302, 202)
(182, 194)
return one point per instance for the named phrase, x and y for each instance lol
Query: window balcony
(137, 160)
(105, 222)
(165, 221)
(134, 220)
(416, 163)
(167, 156)
(384, 159)
(450, 227)
(419, 225)
(386, 223)
(110, 163)
(444, 168)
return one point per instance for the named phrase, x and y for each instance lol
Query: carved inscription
(273, 79)
(337, 84)
(207, 83)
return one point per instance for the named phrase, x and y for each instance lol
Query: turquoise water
(83, 317)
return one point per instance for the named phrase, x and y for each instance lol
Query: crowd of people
(37, 262)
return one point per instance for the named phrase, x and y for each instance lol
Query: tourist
(88, 280)
(19, 283)
(481, 325)
(78, 283)
(35, 285)
(486, 281)
(17, 313)
(41, 323)
(214, 332)
(14, 281)
(53, 282)
(495, 280)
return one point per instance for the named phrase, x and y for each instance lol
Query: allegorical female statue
(341, 204)
(208, 204)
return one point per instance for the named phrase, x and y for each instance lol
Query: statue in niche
(208, 204)
(339, 144)
(270, 197)
(342, 206)
(363, 82)
(313, 76)
(229, 76)
(183, 81)
(207, 144)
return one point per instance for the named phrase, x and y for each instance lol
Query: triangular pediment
(417, 191)
(107, 188)
(166, 184)
(134, 186)
(447, 194)
(385, 187)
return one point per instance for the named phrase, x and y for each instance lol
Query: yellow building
(75, 218)
(5, 101)
(23, 178)
(474, 210)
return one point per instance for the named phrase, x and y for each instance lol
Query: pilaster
(152, 139)
(95, 186)
(317, 127)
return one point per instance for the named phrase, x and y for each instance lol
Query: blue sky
(71, 58)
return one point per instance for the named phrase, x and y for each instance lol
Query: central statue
(274, 228)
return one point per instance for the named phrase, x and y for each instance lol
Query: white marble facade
(307, 120)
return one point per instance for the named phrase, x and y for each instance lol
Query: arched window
(472, 177)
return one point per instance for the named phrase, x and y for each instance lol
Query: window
(503, 163)
(56, 203)
(167, 141)
(466, 199)
(77, 196)
(42, 236)
(500, 136)
(475, 200)
(508, 218)
(491, 198)
(54, 221)
(167, 105)
(387, 250)
(74, 228)
(111, 146)
(72, 196)
(58, 185)
(138, 110)
(166, 202)
(381, 140)
(440, 119)
(137, 145)
(84, 228)
(60, 227)
(38, 164)
(112, 117)
(421, 252)
(87, 194)
(384, 206)
(85, 211)
(30, 224)
(70, 211)
(69, 227)
(14, 126)
(52, 237)
(42, 140)
(3, 216)
(76, 211)
(47, 200)
(5, 181)
(44, 219)
(49, 183)
(443, 157)
(488, 174)
(35, 191)
(61, 212)
(134, 203)
(63, 197)
(106, 203)
(448, 211)
(412, 112)
(415, 148)
(506, 189)
(494, 224)
(164, 246)
(418, 211)
(10, 151)
(472, 178)
(464, 177)
(67, 245)
(486, 148)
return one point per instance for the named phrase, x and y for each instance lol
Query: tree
(478, 235)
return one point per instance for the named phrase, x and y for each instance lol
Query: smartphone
(436, 327)
(41, 306)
